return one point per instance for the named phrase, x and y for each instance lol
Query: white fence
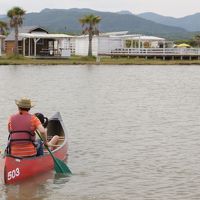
(156, 51)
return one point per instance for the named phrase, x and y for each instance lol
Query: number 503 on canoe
(13, 173)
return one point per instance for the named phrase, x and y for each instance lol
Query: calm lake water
(134, 131)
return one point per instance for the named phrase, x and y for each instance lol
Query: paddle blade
(61, 167)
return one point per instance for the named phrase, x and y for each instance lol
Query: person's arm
(43, 133)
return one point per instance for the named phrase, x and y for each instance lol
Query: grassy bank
(77, 60)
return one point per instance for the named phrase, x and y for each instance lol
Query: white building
(57, 44)
(36, 41)
(100, 44)
(106, 42)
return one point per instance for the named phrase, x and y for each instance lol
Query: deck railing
(156, 51)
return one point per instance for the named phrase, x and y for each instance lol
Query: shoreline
(77, 60)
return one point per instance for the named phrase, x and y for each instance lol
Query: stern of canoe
(18, 169)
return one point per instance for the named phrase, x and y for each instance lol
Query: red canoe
(13, 170)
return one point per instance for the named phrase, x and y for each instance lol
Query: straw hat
(24, 103)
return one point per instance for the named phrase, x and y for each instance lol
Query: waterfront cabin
(47, 45)
(35, 41)
(10, 39)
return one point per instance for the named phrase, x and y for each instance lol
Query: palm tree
(3, 28)
(89, 24)
(16, 20)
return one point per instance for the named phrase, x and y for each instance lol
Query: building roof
(119, 33)
(42, 35)
(24, 29)
(2, 36)
(143, 38)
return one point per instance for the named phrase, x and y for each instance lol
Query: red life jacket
(22, 136)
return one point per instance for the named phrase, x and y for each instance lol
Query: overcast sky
(174, 8)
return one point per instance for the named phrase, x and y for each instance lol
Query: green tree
(3, 28)
(16, 20)
(89, 24)
(197, 40)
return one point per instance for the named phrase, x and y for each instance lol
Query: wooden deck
(164, 53)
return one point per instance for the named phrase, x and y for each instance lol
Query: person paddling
(22, 126)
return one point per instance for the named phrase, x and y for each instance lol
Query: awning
(183, 45)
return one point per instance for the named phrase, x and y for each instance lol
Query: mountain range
(190, 23)
(67, 20)
(2, 16)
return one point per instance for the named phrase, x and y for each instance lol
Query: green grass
(80, 60)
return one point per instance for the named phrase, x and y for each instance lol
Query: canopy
(183, 45)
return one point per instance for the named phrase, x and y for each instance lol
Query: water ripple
(133, 130)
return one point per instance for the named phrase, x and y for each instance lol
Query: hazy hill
(67, 20)
(190, 23)
(2, 16)
(125, 12)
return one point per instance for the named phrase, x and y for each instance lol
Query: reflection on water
(61, 179)
(39, 187)
(133, 130)
(34, 188)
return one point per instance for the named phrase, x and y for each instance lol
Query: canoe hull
(20, 169)
(13, 170)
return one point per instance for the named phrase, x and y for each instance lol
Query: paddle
(59, 165)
